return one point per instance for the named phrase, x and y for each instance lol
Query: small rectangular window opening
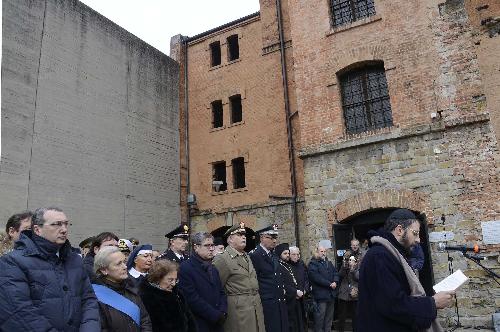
(233, 47)
(215, 54)
(238, 173)
(219, 176)
(217, 114)
(236, 111)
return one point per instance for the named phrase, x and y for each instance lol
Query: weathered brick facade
(438, 155)
(260, 138)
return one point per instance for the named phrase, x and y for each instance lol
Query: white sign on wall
(491, 232)
(441, 236)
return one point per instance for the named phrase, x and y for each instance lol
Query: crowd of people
(118, 284)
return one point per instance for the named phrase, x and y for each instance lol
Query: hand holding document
(451, 283)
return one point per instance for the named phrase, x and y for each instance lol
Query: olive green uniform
(244, 312)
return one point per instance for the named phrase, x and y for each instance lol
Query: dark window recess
(238, 172)
(219, 176)
(215, 54)
(233, 48)
(365, 99)
(236, 112)
(217, 114)
(347, 11)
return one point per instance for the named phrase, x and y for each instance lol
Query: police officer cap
(237, 228)
(86, 243)
(270, 230)
(180, 231)
(125, 245)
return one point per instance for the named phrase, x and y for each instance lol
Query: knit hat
(402, 214)
(280, 248)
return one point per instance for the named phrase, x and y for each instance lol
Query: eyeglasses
(208, 245)
(59, 224)
(416, 233)
(174, 281)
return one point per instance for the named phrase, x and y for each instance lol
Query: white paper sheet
(451, 283)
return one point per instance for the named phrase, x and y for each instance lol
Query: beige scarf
(415, 286)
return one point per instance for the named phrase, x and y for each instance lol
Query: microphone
(443, 247)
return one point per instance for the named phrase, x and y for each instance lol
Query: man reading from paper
(391, 297)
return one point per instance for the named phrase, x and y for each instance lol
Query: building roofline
(222, 27)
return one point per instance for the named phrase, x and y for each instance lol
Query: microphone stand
(489, 271)
(450, 271)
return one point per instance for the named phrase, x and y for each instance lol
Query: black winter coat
(271, 290)
(384, 303)
(113, 320)
(88, 265)
(300, 272)
(295, 314)
(168, 310)
(204, 293)
(321, 274)
(40, 291)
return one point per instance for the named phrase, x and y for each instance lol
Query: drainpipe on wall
(186, 127)
(291, 150)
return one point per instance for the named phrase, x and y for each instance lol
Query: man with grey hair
(324, 280)
(43, 286)
(200, 284)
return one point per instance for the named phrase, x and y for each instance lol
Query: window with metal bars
(365, 99)
(347, 11)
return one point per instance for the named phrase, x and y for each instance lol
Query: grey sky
(155, 21)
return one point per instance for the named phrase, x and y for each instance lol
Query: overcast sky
(155, 21)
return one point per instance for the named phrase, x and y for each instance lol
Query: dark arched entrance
(358, 227)
(219, 232)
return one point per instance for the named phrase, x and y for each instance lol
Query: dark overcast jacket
(385, 303)
(40, 291)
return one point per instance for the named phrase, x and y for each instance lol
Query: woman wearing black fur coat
(166, 305)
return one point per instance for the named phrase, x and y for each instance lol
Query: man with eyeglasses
(177, 244)
(200, 284)
(43, 286)
(238, 276)
(391, 297)
(271, 285)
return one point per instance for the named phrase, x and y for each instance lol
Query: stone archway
(375, 200)
(358, 214)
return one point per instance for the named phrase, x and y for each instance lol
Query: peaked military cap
(180, 231)
(271, 230)
(86, 243)
(238, 228)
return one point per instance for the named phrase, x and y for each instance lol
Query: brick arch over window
(370, 200)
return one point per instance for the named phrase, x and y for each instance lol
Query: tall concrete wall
(89, 122)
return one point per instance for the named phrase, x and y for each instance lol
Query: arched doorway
(358, 227)
(219, 232)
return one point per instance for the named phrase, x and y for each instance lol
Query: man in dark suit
(177, 244)
(271, 286)
(200, 284)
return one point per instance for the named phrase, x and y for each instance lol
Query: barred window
(347, 11)
(365, 99)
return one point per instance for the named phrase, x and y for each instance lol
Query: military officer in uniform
(271, 286)
(239, 279)
(177, 245)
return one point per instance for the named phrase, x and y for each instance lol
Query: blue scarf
(115, 300)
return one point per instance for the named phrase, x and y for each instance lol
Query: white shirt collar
(267, 251)
(136, 274)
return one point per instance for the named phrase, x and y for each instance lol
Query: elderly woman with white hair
(120, 306)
